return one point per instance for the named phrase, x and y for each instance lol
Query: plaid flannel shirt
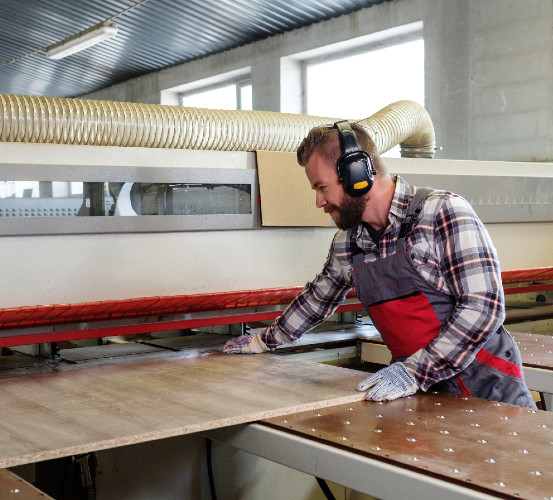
(450, 248)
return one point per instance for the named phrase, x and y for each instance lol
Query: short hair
(324, 139)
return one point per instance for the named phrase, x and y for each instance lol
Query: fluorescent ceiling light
(82, 40)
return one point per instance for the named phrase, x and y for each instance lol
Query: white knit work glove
(246, 344)
(390, 383)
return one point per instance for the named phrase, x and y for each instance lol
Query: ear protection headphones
(355, 167)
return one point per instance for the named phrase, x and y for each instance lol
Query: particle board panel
(496, 448)
(52, 415)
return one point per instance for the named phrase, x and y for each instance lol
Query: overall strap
(358, 257)
(413, 212)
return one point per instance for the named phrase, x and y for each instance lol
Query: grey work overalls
(409, 313)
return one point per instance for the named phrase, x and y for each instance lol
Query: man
(422, 264)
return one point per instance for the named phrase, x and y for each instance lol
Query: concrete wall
(488, 71)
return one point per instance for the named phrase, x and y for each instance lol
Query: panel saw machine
(121, 221)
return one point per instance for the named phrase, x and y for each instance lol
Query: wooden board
(60, 414)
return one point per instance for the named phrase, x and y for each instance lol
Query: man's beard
(350, 211)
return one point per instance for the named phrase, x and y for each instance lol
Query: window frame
(351, 51)
(237, 82)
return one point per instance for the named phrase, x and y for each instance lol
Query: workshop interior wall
(488, 72)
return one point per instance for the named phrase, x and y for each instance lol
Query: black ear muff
(355, 167)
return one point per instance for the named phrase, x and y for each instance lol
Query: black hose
(326, 490)
(210, 469)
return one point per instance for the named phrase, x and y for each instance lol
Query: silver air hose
(108, 123)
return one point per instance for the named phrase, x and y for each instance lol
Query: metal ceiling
(153, 34)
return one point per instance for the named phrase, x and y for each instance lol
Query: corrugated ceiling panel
(153, 35)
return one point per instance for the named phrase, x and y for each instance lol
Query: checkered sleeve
(470, 267)
(318, 300)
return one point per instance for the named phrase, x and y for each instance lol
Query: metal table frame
(349, 469)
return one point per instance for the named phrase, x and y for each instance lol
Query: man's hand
(245, 344)
(390, 383)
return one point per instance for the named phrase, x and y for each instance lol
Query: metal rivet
(347, 422)
(490, 461)
(344, 438)
(532, 411)
(379, 416)
(475, 425)
(409, 409)
(412, 440)
(504, 418)
(415, 459)
(350, 409)
(444, 432)
(438, 404)
(514, 433)
(524, 452)
(500, 484)
(318, 415)
(450, 450)
(376, 448)
(496, 404)
(410, 423)
(440, 416)
(285, 421)
(469, 411)
(536, 473)
(455, 471)
(378, 430)
(543, 426)
(464, 398)
(15, 490)
(482, 441)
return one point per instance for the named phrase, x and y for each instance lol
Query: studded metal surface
(536, 349)
(492, 447)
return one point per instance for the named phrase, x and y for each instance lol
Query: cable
(209, 459)
(128, 9)
(326, 490)
(15, 59)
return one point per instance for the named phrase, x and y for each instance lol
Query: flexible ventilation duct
(107, 123)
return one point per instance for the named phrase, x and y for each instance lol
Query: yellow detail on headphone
(360, 185)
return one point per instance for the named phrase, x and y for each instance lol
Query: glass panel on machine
(62, 199)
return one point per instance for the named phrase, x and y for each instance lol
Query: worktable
(285, 409)
(432, 446)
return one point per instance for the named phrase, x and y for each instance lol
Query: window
(356, 86)
(236, 95)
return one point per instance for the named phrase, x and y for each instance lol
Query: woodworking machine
(105, 235)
